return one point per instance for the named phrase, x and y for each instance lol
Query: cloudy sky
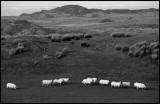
(14, 8)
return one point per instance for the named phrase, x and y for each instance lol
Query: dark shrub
(118, 47)
(84, 44)
(125, 48)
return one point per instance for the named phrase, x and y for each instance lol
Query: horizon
(16, 8)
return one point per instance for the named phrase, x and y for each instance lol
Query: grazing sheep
(118, 47)
(104, 82)
(84, 44)
(139, 85)
(65, 80)
(87, 81)
(57, 81)
(116, 84)
(126, 84)
(47, 82)
(94, 80)
(11, 86)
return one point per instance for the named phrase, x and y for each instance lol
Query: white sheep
(46, 82)
(87, 81)
(139, 85)
(104, 82)
(94, 80)
(126, 84)
(65, 80)
(58, 81)
(115, 84)
(11, 86)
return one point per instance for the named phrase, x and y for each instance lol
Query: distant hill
(77, 10)
(21, 27)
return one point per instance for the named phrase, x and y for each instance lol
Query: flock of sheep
(87, 81)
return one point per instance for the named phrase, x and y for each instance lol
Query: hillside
(76, 10)
(115, 45)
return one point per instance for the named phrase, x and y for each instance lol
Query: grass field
(83, 62)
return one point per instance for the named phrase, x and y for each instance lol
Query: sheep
(11, 86)
(104, 82)
(46, 82)
(115, 84)
(58, 81)
(94, 80)
(118, 47)
(126, 84)
(139, 85)
(87, 81)
(84, 44)
(65, 80)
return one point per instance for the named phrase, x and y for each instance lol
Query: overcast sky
(14, 8)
